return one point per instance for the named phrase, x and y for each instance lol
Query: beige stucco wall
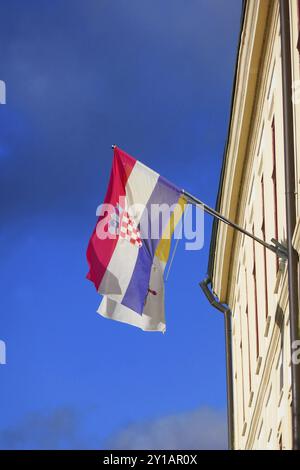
(259, 301)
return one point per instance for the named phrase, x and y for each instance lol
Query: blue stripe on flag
(134, 298)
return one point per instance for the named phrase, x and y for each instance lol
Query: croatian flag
(129, 248)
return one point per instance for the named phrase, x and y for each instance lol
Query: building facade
(246, 276)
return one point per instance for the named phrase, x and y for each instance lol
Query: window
(281, 357)
(275, 188)
(280, 442)
(270, 435)
(260, 430)
(263, 229)
(248, 334)
(255, 294)
(281, 375)
(242, 365)
(249, 352)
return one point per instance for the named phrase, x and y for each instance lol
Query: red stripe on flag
(99, 252)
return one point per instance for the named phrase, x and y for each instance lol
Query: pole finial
(113, 146)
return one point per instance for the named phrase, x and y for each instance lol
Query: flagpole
(276, 248)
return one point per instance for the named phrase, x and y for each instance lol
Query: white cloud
(56, 430)
(204, 428)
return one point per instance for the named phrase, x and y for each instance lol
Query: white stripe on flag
(139, 188)
(153, 317)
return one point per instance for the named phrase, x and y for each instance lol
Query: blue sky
(154, 77)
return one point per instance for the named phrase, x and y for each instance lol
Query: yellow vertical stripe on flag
(163, 248)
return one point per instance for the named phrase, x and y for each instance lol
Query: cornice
(247, 74)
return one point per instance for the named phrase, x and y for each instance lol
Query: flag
(130, 245)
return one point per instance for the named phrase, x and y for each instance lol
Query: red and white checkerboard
(129, 230)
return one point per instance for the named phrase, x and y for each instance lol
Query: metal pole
(229, 367)
(279, 250)
(289, 159)
(229, 377)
